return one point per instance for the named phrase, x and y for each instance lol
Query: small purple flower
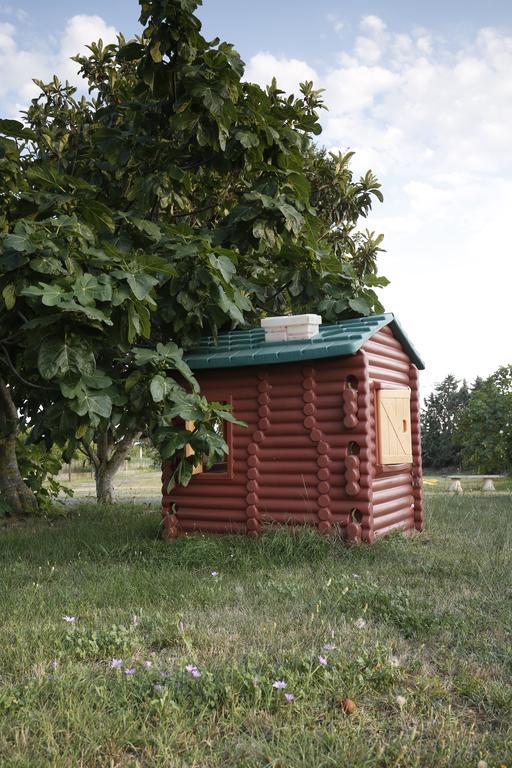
(289, 697)
(323, 661)
(130, 671)
(158, 687)
(69, 619)
(148, 664)
(116, 663)
(193, 670)
(329, 647)
(279, 684)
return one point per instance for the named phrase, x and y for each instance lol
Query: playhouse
(333, 435)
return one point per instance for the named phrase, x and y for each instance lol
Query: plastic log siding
(289, 465)
(417, 478)
(397, 492)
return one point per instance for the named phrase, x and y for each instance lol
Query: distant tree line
(469, 427)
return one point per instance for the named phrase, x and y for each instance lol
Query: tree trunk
(107, 459)
(15, 494)
(104, 484)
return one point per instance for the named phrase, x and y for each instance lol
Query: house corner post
(417, 473)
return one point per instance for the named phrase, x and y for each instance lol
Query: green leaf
(133, 322)
(9, 296)
(88, 288)
(15, 129)
(247, 139)
(148, 227)
(47, 265)
(132, 380)
(141, 284)
(101, 404)
(97, 215)
(155, 52)
(87, 403)
(228, 416)
(173, 440)
(229, 307)
(58, 357)
(97, 380)
(12, 260)
(224, 265)
(19, 243)
(130, 52)
(50, 295)
(157, 388)
(144, 356)
(359, 305)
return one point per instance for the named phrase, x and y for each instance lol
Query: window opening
(220, 427)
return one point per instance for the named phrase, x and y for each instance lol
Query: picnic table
(487, 482)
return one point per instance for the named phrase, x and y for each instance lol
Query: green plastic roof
(238, 348)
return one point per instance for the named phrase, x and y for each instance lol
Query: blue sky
(283, 26)
(421, 91)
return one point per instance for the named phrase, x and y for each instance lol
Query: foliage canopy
(439, 420)
(485, 429)
(175, 201)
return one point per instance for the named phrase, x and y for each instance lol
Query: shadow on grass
(130, 533)
(126, 533)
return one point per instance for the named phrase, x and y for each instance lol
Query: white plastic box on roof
(291, 327)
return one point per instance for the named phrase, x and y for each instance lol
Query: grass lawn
(416, 632)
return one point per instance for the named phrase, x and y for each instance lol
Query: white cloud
(373, 24)
(80, 31)
(20, 65)
(7, 37)
(10, 10)
(337, 24)
(353, 88)
(288, 72)
(433, 121)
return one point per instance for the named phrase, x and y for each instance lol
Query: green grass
(422, 629)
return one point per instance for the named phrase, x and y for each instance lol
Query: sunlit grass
(416, 632)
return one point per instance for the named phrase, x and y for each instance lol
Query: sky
(422, 92)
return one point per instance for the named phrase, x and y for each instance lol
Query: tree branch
(27, 383)
(192, 213)
(8, 405)
(122, 449)
(89, 452)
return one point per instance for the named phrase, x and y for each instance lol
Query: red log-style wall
(397, 495)
(308, 455)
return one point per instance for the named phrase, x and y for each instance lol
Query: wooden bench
(487, 482)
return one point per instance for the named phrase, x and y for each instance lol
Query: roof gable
(340, 339)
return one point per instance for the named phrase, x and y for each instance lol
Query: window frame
(218, 477)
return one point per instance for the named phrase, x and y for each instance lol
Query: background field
(421, 628)
(145, 485)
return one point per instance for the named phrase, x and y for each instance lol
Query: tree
(485, 429)
(177, 201)
(439, 420)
